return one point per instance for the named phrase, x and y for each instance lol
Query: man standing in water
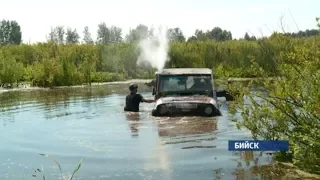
(133, 99)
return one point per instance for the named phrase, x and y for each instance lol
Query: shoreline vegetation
(290, 110)
(50, 64)
(64, 61)
(28, 85)
(282, 170)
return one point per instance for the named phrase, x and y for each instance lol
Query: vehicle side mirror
(152, 83)
(153, 91)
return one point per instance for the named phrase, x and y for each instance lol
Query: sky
(257, 17)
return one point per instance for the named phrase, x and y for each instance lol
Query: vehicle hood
(186, 99)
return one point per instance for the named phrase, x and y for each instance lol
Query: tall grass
(49, 64)
(60, 168)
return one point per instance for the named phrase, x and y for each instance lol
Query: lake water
(73, 123)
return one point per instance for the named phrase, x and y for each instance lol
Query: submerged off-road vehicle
(182, 91)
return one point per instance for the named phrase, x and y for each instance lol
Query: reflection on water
(188, 130)
(90, 123)
(175, 127)
(134, 121)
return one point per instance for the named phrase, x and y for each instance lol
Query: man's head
(133, 88)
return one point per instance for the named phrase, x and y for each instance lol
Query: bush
(49, 64)
(11, 71)
(107, 77)
(290, 109)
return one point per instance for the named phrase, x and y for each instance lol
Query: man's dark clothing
(133, 102)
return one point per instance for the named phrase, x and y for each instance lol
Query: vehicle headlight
(162, 109)
(208, 110)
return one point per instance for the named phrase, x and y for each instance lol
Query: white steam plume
(154, 49)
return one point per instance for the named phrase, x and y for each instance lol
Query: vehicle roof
(185, 71)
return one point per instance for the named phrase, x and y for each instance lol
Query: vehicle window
(199, 83)
(173, 83)
(182, 83)
(189, 82)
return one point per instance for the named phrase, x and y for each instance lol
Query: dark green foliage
(215, 34)
(108, 35)
(11, 71)
(87, 36)
(249, 38)
(57, 35)
(63, 62)
(10, 32)
(306, 33)
(53, 64)
(176, 35)
(72, 36)
(139, 33)
(289, 109)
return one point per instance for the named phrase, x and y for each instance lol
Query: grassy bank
(49, 64)
(290, 109)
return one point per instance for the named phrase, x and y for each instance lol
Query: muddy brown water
(89, 123)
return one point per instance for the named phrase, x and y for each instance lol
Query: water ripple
(90, 123)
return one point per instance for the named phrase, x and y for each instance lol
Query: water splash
(154, 49)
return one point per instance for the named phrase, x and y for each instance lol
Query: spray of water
(154, 49)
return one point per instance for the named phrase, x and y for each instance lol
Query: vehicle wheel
(154, 112)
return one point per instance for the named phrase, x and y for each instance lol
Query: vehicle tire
(154, 112)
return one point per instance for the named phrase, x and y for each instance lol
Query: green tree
(249, 38)
(115, 34)
(57, 35)
(201, 36)
(60, 34)
(108, 35)
(176, 34)
(288, 108)
(11, 71)
(72, 36)
(103, 36)
(192, 38)
(306, 33)
(218, 34)
(52, 36)
(65, 65)
(140, 32)
(10, 32)
(246, 36)
(87, 36)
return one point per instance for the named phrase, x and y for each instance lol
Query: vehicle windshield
(177, 84)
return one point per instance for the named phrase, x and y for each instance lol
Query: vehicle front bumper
(177, 109)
